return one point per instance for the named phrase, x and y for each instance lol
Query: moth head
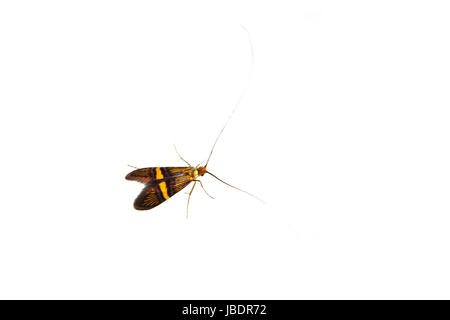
(201, 171)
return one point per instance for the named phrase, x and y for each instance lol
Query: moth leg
(201, 184)
(189, 198)
(132, 166)
(179, 155)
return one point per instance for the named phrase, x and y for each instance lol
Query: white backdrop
(344, 132)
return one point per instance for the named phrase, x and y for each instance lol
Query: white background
(344, 132)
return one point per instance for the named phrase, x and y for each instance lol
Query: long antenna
(244, 91)
(235, 187)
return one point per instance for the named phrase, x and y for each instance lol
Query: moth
(161, 183)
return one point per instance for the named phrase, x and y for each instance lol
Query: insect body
(162, 182)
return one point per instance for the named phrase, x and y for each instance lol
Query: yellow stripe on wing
(159, 174)
(163, 187)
